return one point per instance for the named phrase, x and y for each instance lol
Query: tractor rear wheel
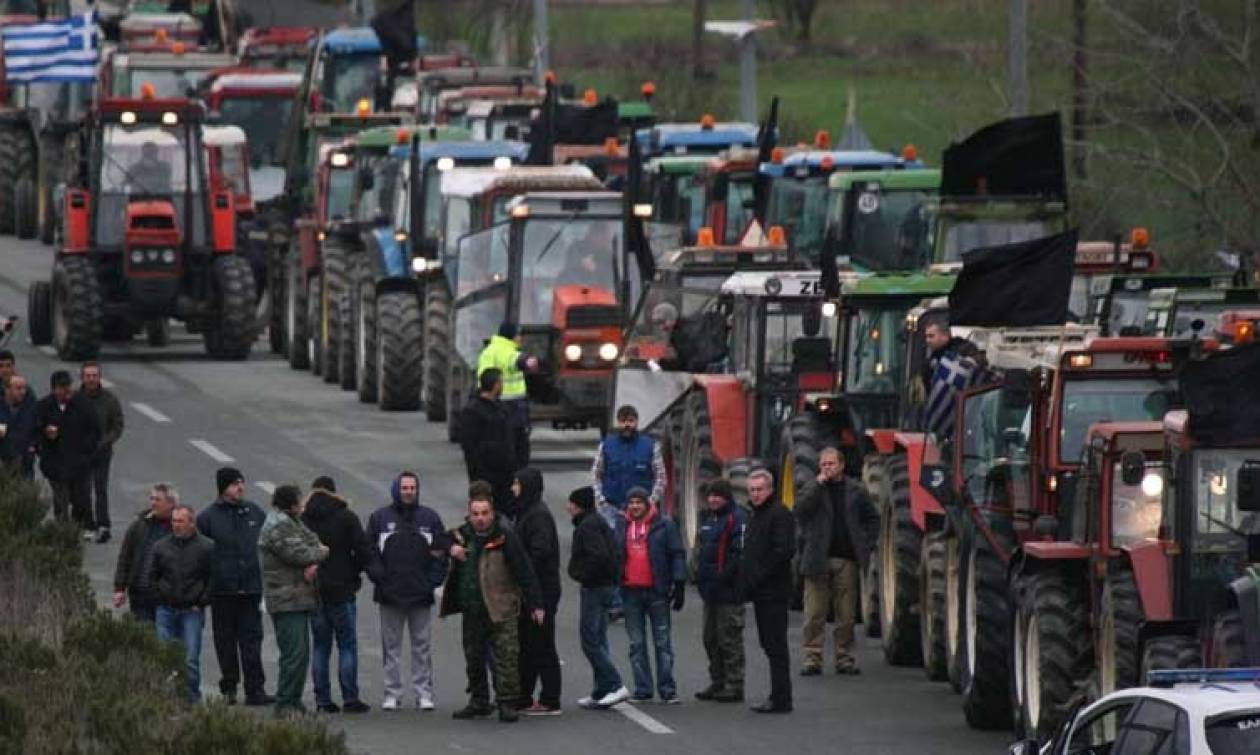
(699, 464)
(346, 324)
(932, 606)
(1229, 643)
(335, 285)
(232, 333)
(39, 313)
(799, 444)
(295, 312)
(314, 323)
(277, 283)
(987, 638)
(875, 482)
(365, 336)
(26, 204)
(1051, 637)
(900, 543)
(398, 351)
(1121, 615)
(1171, 652)
(955, 651)
(437, 345)
(77, 309)
(12, 144)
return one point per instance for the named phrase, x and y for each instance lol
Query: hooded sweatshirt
(536, 528)
(349, 550)
(409, 544)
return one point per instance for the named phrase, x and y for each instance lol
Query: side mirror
(1025, 747)
(1133, 467)
(935, 479)
(1249, 486)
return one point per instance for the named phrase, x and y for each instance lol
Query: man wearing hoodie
(409, 551)
(719, 545)
(349, 554)
(536, 530)
(653, 573)
(593, 564)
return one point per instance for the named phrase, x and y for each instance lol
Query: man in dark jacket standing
(536, 530)
(593, 564)
(234, 523)
(410, 546)
(719, 547)
(131, 575)
(766, 571)
(838, 527)
(180, 574)
(350, 553)
(491, 583)
(109, 415)
(69, 435)
(18, 428)
(653, 573)
(486, 436)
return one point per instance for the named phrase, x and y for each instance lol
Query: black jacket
(409, 545)
(769, 544)
(349, 550)
(21, 431)
(234, 529)
(593, 558)
(485, 434)
(136, 555)
(536, 529)
(181, 571)
(719, 553)
(69, 455)
(814, 512)
(109, 416)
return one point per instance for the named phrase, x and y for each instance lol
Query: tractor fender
(883, 440)
(389, 255)
(1246, 590)
(1034, 556)
(728, 411)
(921, 501)
(1153, 574)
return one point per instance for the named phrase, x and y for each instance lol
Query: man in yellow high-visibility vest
(503, 352)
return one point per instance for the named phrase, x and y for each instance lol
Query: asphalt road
(187, 414)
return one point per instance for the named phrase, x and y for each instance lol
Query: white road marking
(208, 448)
(642, 719)
(267, 487)
(149, 411)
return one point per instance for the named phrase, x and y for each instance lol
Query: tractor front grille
(593, 316)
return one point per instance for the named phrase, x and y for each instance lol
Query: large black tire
(1171, 652)
(1051, 639)
(365, 338)
(955, 621)
(437, 344)
(1120, 616)
(737, 471)
(699, 465)
(296, 329)
(900, 543)
(77, 309)
(13, 141)
(346, 323)
(799, 444)
(277, 290)
(1229, 643)
(157, 332)
(398, 351)
(234, 330)
(336, 284)
(932, 606)
(314, 324)
(874, 480)
(26, 205)
(39, 313)
(987, 638)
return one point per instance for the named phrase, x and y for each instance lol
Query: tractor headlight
(445, 163)
(1152, 485)
(137, 256)
(608, 352)
(168, 256)
(573, 352)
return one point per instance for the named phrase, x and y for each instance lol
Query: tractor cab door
(481, 290)
(794, 356)
(992, 432)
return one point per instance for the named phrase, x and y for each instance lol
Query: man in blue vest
(627, 459)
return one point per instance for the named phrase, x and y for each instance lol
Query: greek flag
(65, 50)
(952, 375)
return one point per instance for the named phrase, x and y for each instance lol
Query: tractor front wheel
(365, 338)
(232, 334)
(1051, 637)
(986, 638)
(1121, 617)
(398, 351)
(296, 324)
(900, 543)
(1229, 642)
(39, 313)
(25, 208)
(699, 464)
(335, 285)
(77, 309)
(1171, 652)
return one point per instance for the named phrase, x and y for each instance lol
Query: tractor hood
(652, 393)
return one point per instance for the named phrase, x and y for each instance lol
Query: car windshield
(962, 235)
(888, 230)
(1235, 733)
(800, 207)
(1137, 511)
(1086, 402)
(876, 350)
(350, 78)
(567, 251)
(167, 84)
(263, 119)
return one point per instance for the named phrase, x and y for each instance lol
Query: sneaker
(641, 697)
(811, 671)
(619, 695)
(671, 700)
(538, 709)
(102, 535)
(356, 706)
(328, 708)
(472, 710)
(588, 702)
(389, 703)
(426, 705)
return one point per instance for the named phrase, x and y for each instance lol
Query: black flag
(636, 238)
(1014, 157)
(542, 130)
(1015, 285)
(1219, 393)
(396, 28)
(767, 138)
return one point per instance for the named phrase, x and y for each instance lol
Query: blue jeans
(184, 626)
(593, 630)
(643, 605)
(328, 622)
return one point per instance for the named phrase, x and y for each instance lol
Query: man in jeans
(180, 574)
(653, 572)
(350, 552)
(593, 564)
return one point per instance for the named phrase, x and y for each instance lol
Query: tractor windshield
(739, 205)
(995, 446)
(648, 337)
(146, 161)
(340, 194)
(876, 351)
(1187, 312)
(263, 120)
(1137, 511)
(176, 83)
(1218, 516)
(1128, 310)
(961, 235)
(1124, 400)
(798, 338)
(679, 199)
(800, 207)
(564, 252)
(884, 230)
(350, 78)
(377, 200)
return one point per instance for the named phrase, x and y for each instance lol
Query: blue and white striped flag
(952, 375)
(65, 50)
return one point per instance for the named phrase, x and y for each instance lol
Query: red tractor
(146, 237)
(282, 47)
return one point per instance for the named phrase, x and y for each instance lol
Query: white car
(1190, 712)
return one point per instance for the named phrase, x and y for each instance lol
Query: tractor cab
(877, 221)
(259, 101)
(1101, 260)
(1119, 302)
(473, 106)
(966, 223)
(154, 32)
(441, 86)
(347, 67)
(172, 73)
(283, 48)
(1186, 313)
(228, 159)
(707, 137)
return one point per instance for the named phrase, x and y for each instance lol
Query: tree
(796, 16)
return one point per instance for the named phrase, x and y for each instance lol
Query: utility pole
(542, 53)
(1017, 58)
(1080, 87)
(698, 13)
(748, 68)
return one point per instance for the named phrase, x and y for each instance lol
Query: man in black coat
(68, 438)
(131, 575)
(328, 515)
(536, 530)
(486, 436)
(766, 573)
(593, 564)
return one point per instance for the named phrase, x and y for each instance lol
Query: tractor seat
(811, 354)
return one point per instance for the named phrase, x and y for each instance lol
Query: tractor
(170, 69)
(147, 237)
(1179, 312)
(1119, 302)
(440, 86)
(876, 221)
(284, 48)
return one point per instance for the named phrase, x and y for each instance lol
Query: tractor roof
(685, 137)
(1146, 436)
(353, 122)
(472, 182)
(388, 135)
(812, 162)
(222, 136)
(278, 35)
(599, 202)
(928, 179)
(883, 285)
(1026, 348)
(678, 164)
(167, 60)
(352, 40)
(466, 150)
(726, 258)
(462, 76)
(113, 109)
(246, 80)
(634, 110)
(1224, 294)
(783, 283)
(1149, 281)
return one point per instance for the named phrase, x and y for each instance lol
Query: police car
(1182, 712)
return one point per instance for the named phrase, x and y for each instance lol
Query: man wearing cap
(503, 352)
(593, 564)
(718, 550)
(234, 524)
